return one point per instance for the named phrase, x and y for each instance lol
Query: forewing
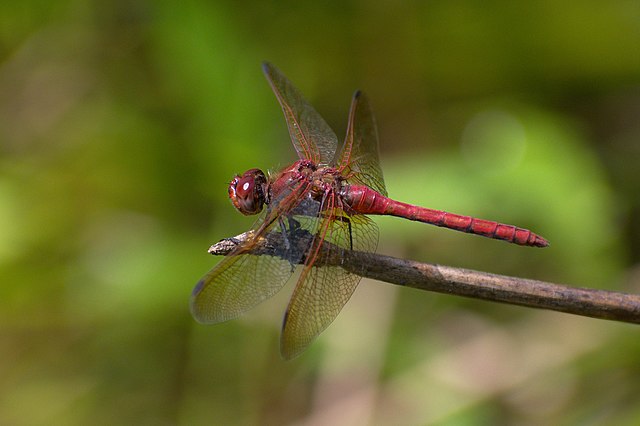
(239, 282)
(322, 291)
(312, 137)
(258, 267)
(359, 159)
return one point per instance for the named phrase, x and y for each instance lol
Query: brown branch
(601, 304)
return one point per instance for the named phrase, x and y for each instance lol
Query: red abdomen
(365, 200)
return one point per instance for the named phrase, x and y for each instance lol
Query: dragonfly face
(248, 192)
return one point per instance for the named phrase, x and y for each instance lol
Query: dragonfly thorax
(325, 180)
(247, 192)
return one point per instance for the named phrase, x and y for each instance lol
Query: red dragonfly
(326, 193)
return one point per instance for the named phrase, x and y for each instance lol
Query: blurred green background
(122, 122)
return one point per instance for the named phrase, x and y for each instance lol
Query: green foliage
(122, 122)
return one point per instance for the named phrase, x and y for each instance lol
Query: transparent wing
(236, 284)
(312, 137)
(259, 267)
(322, 291)
(358, 159)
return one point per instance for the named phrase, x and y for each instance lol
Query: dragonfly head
(248, 192)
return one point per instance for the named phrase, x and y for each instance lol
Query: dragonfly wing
(312, 137)
(239, 282)
(322, 291)
(261, 265)
(358, 159)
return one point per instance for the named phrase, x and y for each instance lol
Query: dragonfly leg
(350, 234)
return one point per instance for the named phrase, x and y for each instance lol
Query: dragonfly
(319, 203)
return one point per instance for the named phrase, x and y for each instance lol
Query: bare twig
(601, 304)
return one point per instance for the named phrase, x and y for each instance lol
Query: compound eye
(245, 187)
(247, 192)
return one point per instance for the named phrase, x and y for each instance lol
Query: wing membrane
(242, 280)
(322, 291)
(312, 137)
(359, 159)
(239, 282)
